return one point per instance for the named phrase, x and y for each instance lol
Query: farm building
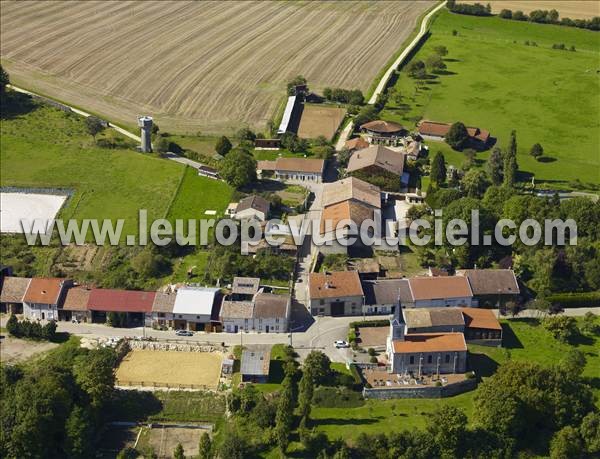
(293, 169)
(255, 366)
(424, 353)
(291, 116)
(43, 296)
(12, 294)
(378, 165)
(433, 320)
(492, 287)
(351, 189)
(382, 296)
(482, 327)
(335, 294)
(252, 208)
(162, 309)
(357, 143)
(209, 172)
(193, 307)
(244, 288)
(432, 130)
(383, 132)
(75, 305)
(428, 292)
(136, 305)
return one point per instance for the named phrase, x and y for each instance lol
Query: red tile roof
(481, 318)
(336, 284)
(382, 127)
(431, 288)
(436, 129)
(120, 300)
(431, 342)
(44, 290)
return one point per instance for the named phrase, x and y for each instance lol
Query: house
(337, 293)
(136, 305)
(433, 130)
(482, 327)
(267, 144)
(293, 169)
(434, 320)
(255, 366)
(431, 292)
(272, 312)
(42, 298)
(378, 165)
(424, 353)
(252, 207)
(12, 294)
(193, 308)
(351, 189)
(383, 296)
(383, 132)
(244, 288)
(493, 287)
(236, 316)
(357, 143)
(162, 310)
(75, 305)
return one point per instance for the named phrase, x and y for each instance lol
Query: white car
(184, 333)
(341, 344)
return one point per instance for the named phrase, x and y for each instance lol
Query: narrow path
(386, 77)
(344, 136)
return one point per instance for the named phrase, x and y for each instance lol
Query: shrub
(337, 397)
(372, 352)
(563, 328)
(575, 299)
(370, 323)
(373, 359)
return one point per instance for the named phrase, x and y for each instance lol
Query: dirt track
(197, 65)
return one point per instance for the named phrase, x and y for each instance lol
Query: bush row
(28, 329)
(370, 323)
(575, 299)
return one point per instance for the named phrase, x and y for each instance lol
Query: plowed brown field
(197, 65)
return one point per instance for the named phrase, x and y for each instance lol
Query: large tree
(79, 431)
(435, 63)
(474, 183)
(495, 166)
(536, 150)
(223, 146)
(318, 365)
(510, 161)
(448, 427)
(94, 126)
(4, 80)
(284, 417)
(438, 169)
(95, 375)
(457, 136)
(238, 168)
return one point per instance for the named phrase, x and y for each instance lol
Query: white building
(265, 313)
(193, 307)
(42, 298)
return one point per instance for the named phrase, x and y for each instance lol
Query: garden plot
(30, 206)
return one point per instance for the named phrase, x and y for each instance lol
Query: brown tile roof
(356, 143)
(377, 155)
(431, 288)
(481, 318)
(431, 342)
(120, 300)
(492, 281)
(76, 299)
(382, 127)
(434, 128)
(13, 289)
(253, 202)
(334, 285)
(350, 210)
(44, 290)
(433, 317)
(245, 285)
(267, 305)
(265, 165)
(163, 302)
(351, 188)
(236, 309)
(300, 165)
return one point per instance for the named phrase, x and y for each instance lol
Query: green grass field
(49, 148)
(496, 82)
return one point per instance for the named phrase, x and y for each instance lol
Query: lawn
(198, 194)
(497, 82)
(48, 148)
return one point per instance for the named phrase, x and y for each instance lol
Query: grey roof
(269, 305)
(163, 302)
(492, 281)
(255, 362)
(245, 285)
(253, 202)
(387, 291)
(13, 289)
(433, 317)
(236, 309)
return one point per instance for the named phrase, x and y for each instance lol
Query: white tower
(145, 124)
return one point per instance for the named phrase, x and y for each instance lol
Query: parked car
(341, 344)
(184, 333)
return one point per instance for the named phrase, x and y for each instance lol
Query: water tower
(145, 124)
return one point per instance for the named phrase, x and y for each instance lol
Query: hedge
(370, 323)
(575, 299)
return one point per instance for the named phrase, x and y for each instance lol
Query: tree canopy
(238, 168)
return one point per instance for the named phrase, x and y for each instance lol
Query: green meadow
(495, 81)
(47, 148)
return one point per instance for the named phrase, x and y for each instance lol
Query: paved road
(386, 76)
(182, 160)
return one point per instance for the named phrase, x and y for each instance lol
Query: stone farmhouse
(252, 207)
(335, 294)
(380, 166)
(43, 296)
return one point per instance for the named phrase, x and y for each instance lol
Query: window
(429, 358)
(447, 358)
(197, 317)
(412, 360)
(277, 320)
(180, 316)
(322, 302)
(161, 314)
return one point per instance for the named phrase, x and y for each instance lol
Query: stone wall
(448, 390)
(164, 346)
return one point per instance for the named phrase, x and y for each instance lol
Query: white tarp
(30, 206)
